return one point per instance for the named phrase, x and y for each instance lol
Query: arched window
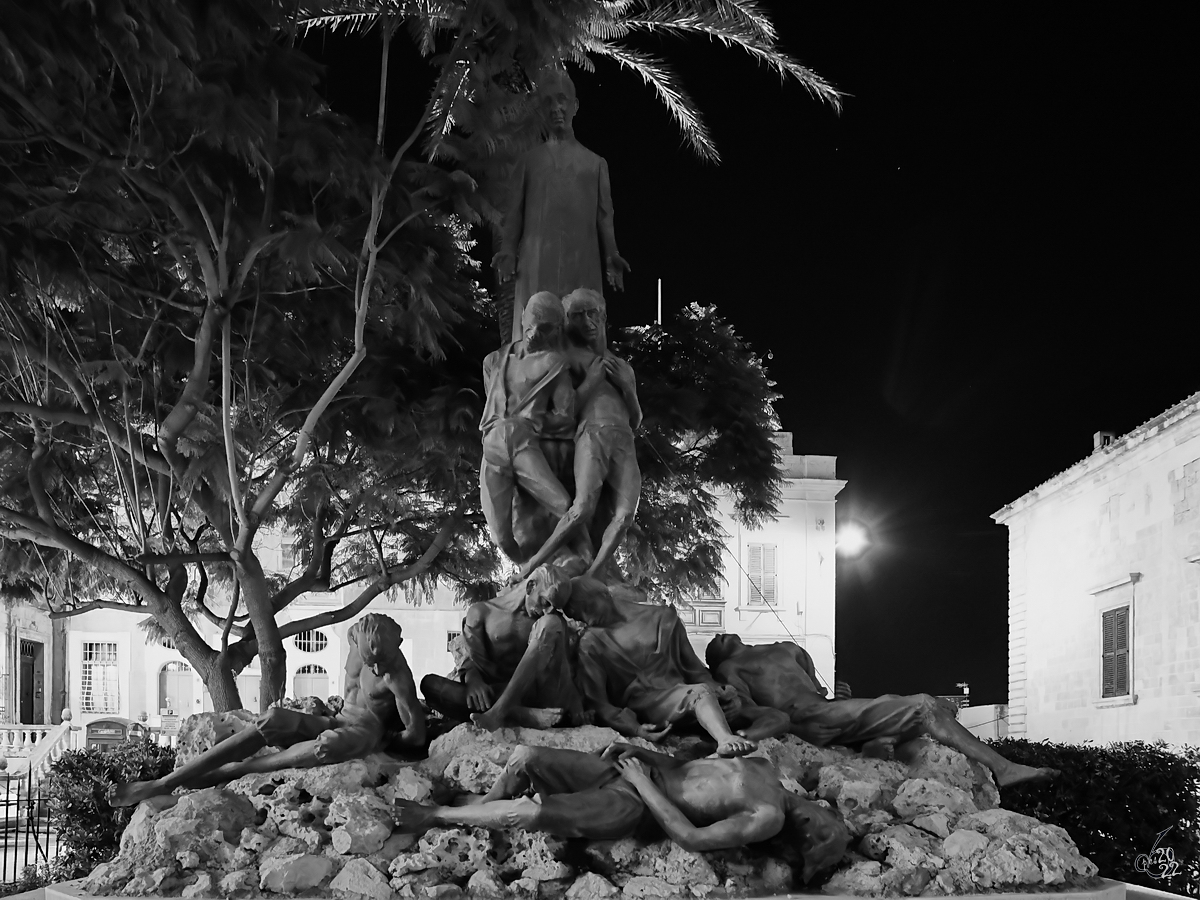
(311, 681)
(175, 689)
(312, 641)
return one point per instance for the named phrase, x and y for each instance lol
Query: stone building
(778, 585)
(1104, 591)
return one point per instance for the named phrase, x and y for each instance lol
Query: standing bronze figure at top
(558, 225)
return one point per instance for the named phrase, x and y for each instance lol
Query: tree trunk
(272, 657)
(222, 686)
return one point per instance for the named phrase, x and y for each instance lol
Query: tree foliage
(228, 312)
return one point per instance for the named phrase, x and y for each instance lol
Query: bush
(89, 830)
(1116, 802)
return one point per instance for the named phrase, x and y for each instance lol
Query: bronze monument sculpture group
(568, 642)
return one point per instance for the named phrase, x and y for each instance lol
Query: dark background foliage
(1115, 802)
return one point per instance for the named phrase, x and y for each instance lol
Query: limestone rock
(591, 886)
(918, 795)
(934, 823)
(109, 877)
(361, 879)
(324, 782)
(963, 843)
(147, 882)
(535, 855)
(469, 758)
(647, 887)
(862, 879)
(484, 885)
(407, 783)
(452, 852)
(947, 765)
(903, 847)
(293, 874)
(442, 892)
(797, 760)
(664, 860)
(201, 887)
(204, 827)
(238, 882)
(203, 731)
(284, 846)
(362, 822)
(255, 841)
(393, 847)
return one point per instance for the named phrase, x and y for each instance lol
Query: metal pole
(658, 321)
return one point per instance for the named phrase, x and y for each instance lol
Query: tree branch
(235, 493)
(90, 417)
(46, 534)
(151, 559)
(98, 604)
(395, 575)
(184, 411)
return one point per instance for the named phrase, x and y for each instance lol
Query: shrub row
(1132, 808)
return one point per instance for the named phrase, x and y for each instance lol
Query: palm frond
(731, 24)
(655, 73)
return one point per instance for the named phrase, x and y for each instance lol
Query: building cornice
(811, 488)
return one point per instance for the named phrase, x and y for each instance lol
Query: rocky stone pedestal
(929, 828)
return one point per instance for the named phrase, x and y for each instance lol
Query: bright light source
(851, 539)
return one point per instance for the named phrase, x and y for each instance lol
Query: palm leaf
(733, 25)
(656, 74)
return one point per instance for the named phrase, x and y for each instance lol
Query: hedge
(89, 830)
(1132, 808)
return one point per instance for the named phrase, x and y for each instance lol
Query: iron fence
(28, 839)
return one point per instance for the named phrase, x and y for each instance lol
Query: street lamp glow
(851, 539)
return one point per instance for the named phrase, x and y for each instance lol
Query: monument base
(930, 828)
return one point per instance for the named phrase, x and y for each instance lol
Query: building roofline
(1102, 456)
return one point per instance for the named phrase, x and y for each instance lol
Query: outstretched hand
(616, 267)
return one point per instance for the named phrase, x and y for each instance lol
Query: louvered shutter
(754, 571)
(770, 579)
(1114, 651)
(1108, 639)
(1121, 652)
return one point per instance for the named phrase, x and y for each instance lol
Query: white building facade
(778, 585)
(779, 582)
(1104, 591)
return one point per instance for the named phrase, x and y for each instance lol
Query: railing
(51, 746)
(26, 837)
(22, 740)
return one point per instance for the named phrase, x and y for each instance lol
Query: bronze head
(542, 321)
(379, 639)
(587, 319)
(556, 93)
(720, 648)
(548, 589)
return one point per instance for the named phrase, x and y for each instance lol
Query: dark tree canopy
(227, 310)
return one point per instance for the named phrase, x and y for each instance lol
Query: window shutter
(769, 586)
(1114, 652)
(1121, 654)
(1121, 628)
(754, 571)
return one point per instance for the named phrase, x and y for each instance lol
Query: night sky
(974, 267)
